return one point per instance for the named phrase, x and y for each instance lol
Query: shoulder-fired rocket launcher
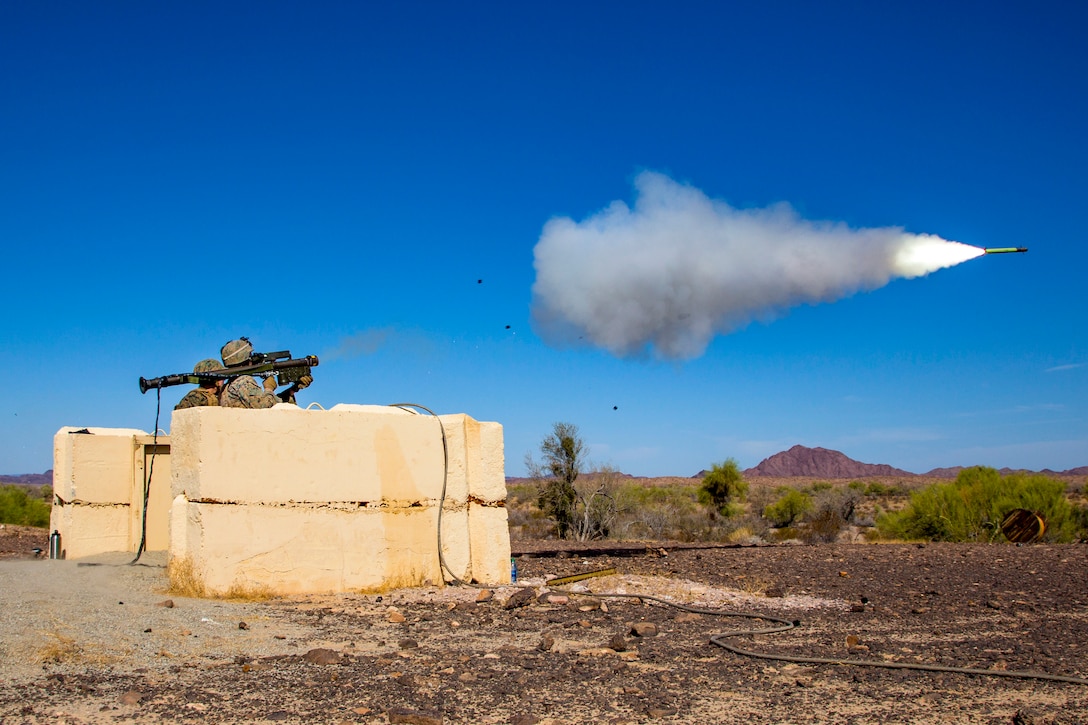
(260, 363)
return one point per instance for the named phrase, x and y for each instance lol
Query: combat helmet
(236, 352)
(209, 365)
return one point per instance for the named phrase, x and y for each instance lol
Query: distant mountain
(29, 479)
(950, 472)
(820, 463)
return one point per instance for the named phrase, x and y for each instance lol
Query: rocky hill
(820, 463)
(28, 479)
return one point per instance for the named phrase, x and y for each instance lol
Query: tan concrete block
(456, 551)
(488, 476)
(95, 466)
(361, 454)
(489, 543)
(87, 530)
(458, 455)
(178, 544)
(300, 549)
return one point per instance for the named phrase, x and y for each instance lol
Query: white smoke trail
(679, 268)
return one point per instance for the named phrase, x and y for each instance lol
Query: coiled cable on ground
(783, 625)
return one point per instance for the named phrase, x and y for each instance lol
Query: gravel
(73, 652)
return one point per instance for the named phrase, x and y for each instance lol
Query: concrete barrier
(287, 500)
(98, 490)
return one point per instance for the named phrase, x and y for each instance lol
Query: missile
(1004, 250)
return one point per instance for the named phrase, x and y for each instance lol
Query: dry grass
(185, 579)
(59, 648)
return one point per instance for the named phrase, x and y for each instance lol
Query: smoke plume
(679, 268)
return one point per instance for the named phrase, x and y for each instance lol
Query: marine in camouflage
(236, 352)
(208, 392)
(244, 392)
(198, 398)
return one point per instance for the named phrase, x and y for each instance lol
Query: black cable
(786, 625)
(442, 499)
(147, 479)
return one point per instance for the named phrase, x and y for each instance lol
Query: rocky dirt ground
(107, 643)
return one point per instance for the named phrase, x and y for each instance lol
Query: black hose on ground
(784, 625)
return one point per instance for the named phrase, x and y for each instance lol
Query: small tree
(723, 486)
(562, 453)
(581, 509)
(790, 506)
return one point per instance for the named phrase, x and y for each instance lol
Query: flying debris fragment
(1004, 250)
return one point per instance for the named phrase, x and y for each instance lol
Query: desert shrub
(563, 457)
(819, 486)
(525, 519)
(724, 485)
(823, 526)
(842, 501)
(671, 512)
(18, 507)
(789, 507)
(972, 507)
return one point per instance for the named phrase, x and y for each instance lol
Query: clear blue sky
(367, 182)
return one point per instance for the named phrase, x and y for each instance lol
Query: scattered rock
(484, 595)
(546, 643)
(322, 656)
(243, 625)
(617, 643)
(524, 719)
(520, 598)
(994, 604)
(1026, 716)
(413, 717)
(396, 617)
(408, 644)
(169, 604)
(656, 713)
(644, 629)
(132, 697)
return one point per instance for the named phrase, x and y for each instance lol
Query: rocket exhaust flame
(678, 268)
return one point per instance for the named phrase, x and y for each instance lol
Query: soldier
(208, 392)
(243, 391)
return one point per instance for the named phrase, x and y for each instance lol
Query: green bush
(723, 486)
(788, 508)
(972, 507)
(18, 507)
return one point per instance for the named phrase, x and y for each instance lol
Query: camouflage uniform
(197, 398)
(206, 394)
(243, 391)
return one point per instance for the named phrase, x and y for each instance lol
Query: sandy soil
(99, 644)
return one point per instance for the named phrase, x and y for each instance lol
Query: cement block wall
(98, 488)
(289, 500)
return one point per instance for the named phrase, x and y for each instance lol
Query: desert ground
(105, 642)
